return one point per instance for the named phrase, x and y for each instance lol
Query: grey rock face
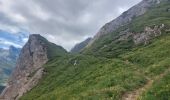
(143, 37)
(28, 69)
(148, 34)
(78, 47)
(126, 17)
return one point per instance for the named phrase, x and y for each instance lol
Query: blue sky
(16, 39)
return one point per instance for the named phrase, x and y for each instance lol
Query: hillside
(97, 78)
(127, 17)
(140, 30)
(129, 63)
(29, 67)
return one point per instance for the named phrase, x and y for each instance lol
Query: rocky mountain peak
(35, 37)
(29, 67)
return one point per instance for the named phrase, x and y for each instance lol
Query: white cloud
(25, 40)
(6, 8)
(8, 43)
(11, 43)
(9, 28)
(121, 9)
(64, 22)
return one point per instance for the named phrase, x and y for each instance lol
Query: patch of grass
(91, 78)
(153, 58)
(159, 91)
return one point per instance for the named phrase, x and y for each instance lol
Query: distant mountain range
(10, 44)
(16, 39)
(8, 59)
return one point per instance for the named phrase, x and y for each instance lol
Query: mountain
(126, 17)
(29, 68)
(140, 30)
(14, 52)
(8, 58)
(78, 47)
(126, 62)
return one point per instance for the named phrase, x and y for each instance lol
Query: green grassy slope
(94, 78)
(154, 57)
(109, 69)
(91, 78)
(159, 91)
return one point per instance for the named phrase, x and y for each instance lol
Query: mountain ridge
(29, 67)
(79, 46)
(125, 18)
(141, 30)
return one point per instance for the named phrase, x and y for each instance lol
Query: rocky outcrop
(126, 18)
(143, 37)
(28, 69)
(148, 34)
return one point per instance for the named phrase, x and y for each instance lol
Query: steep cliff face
(143, 37)
(29, 68)
(126, 18)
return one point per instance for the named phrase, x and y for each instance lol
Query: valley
(128, 59)
(114, 67)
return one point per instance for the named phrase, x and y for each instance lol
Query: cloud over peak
(64, 22)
